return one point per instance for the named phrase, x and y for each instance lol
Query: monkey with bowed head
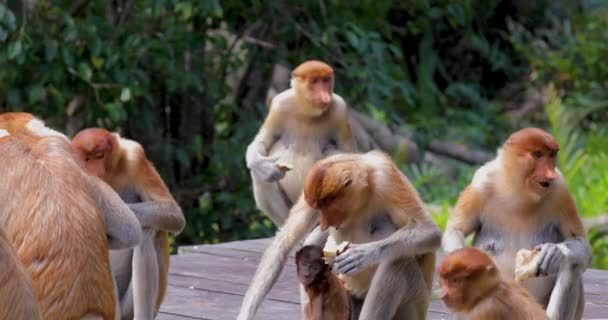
(60, 220)
(520, 201)
(305, 123)
(141, 273)
(327, 298)
(365, 200)
(473, 288)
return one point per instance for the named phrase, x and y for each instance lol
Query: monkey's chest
(502, 245)
(376, 227)
(301, 153)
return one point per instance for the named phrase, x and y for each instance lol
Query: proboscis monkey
(327, 297)
(60, 220)
(520, 201)
(141, 273)
(473, 288)
(363, 199)
(17, 295)
(305, 124)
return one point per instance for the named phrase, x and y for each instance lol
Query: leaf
(125, 94)
(3, 34)
(85, 71)
(14, 49)
(35, 93)
(50, 50)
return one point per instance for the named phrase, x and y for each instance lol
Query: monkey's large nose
(325, 98)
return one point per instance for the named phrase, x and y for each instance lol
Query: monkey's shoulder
(485, 176)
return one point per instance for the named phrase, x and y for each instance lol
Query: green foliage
(567, 57)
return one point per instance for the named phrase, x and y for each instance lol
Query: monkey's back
(56, 228)
(17, 297)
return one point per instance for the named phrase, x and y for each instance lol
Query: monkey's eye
(537, 154)
(553, 154)
(314, 81)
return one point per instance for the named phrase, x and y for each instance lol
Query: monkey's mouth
(544, 184)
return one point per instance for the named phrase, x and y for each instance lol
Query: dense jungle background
(438, 84)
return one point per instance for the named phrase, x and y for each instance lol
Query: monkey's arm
(574, 252)
(345, 136)
(159, 210)
(420, 236)
(301, 219)
(256, 156)
(123, 229)
(463, 220)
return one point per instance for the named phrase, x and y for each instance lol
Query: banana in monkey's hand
(284, 167)
(331, 249)
(526, 264)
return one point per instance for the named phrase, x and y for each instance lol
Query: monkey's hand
(552, 257)
(356, 258)
(574, 254)
(266, 169)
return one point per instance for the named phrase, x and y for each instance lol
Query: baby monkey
(327, 297)
(472, 287)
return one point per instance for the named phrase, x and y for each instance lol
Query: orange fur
(472, 287)
(349, 189)
(17, 295)
(54, 223)
(313, 69)
(127, 170)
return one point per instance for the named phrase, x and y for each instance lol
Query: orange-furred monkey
(141, 273)
(473, 288)
(305, 124)
(520, 201)
(365, 200)
(17, 296)
(60, 220)
(328, 299)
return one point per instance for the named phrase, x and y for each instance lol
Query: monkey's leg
(396, 286)
(121, 262)
(270, 199)
(567, 298)
(145, 277)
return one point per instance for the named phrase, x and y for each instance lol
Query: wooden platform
(209, 281)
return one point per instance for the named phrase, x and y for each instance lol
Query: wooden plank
(209, 281)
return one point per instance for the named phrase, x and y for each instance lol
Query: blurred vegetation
(189, 79)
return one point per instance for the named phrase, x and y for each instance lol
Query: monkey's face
(453, 293)
(466, 276)
(535, 153)
(338, 189)
(93, 147)
(310, 264)
(319, 91)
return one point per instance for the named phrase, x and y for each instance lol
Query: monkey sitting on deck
(473, 288)
(327, 297)
(141, 273)
(304, 124)
(365, 200)
(520, 201)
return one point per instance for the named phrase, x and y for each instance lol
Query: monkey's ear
(347, 182)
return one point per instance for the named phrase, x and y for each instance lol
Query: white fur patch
(4, 133)
(131, 147)
(482, 175)
(37, 126)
